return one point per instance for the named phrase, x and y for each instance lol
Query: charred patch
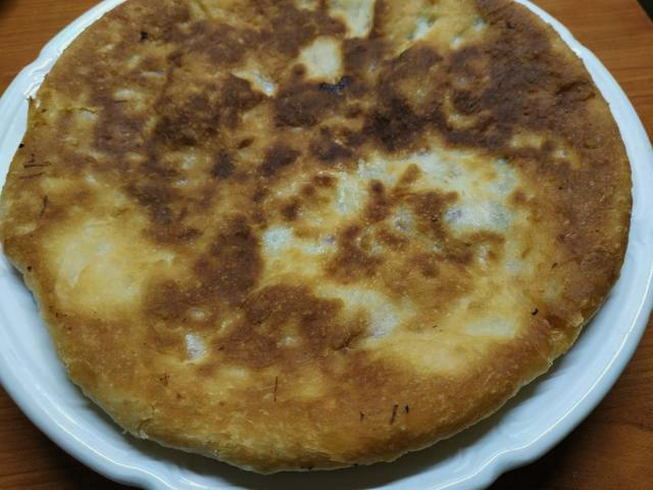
(336, 88)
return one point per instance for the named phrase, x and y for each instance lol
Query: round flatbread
(311, 234)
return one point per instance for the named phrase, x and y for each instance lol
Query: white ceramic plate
(543, 413)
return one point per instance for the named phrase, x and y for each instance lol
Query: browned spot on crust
(304, 104)
(278, 157)
(396, 123)
(291, 28)
(156, 199)
(380, 7)
(168, 302)
(378, 204)
(279, 311)
(361, 54)
(324, 180)
(328, 150)
(232, 265)
(392, 240)
(309, 190)
(191, 119)
(352, 262)
(428, 264)
(409, 177)
(223, 166)
(245, 143)
(291, 210)
(429, 208)
(222, 43)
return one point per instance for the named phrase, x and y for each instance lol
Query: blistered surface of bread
(309, 234)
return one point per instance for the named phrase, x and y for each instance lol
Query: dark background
(648, 6)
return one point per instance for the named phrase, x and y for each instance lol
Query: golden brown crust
(284, 237)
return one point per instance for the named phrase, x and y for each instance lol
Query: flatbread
(312, 234)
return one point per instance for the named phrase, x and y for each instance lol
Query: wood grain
(613, 448)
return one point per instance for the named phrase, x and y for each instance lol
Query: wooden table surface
(613, 448)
